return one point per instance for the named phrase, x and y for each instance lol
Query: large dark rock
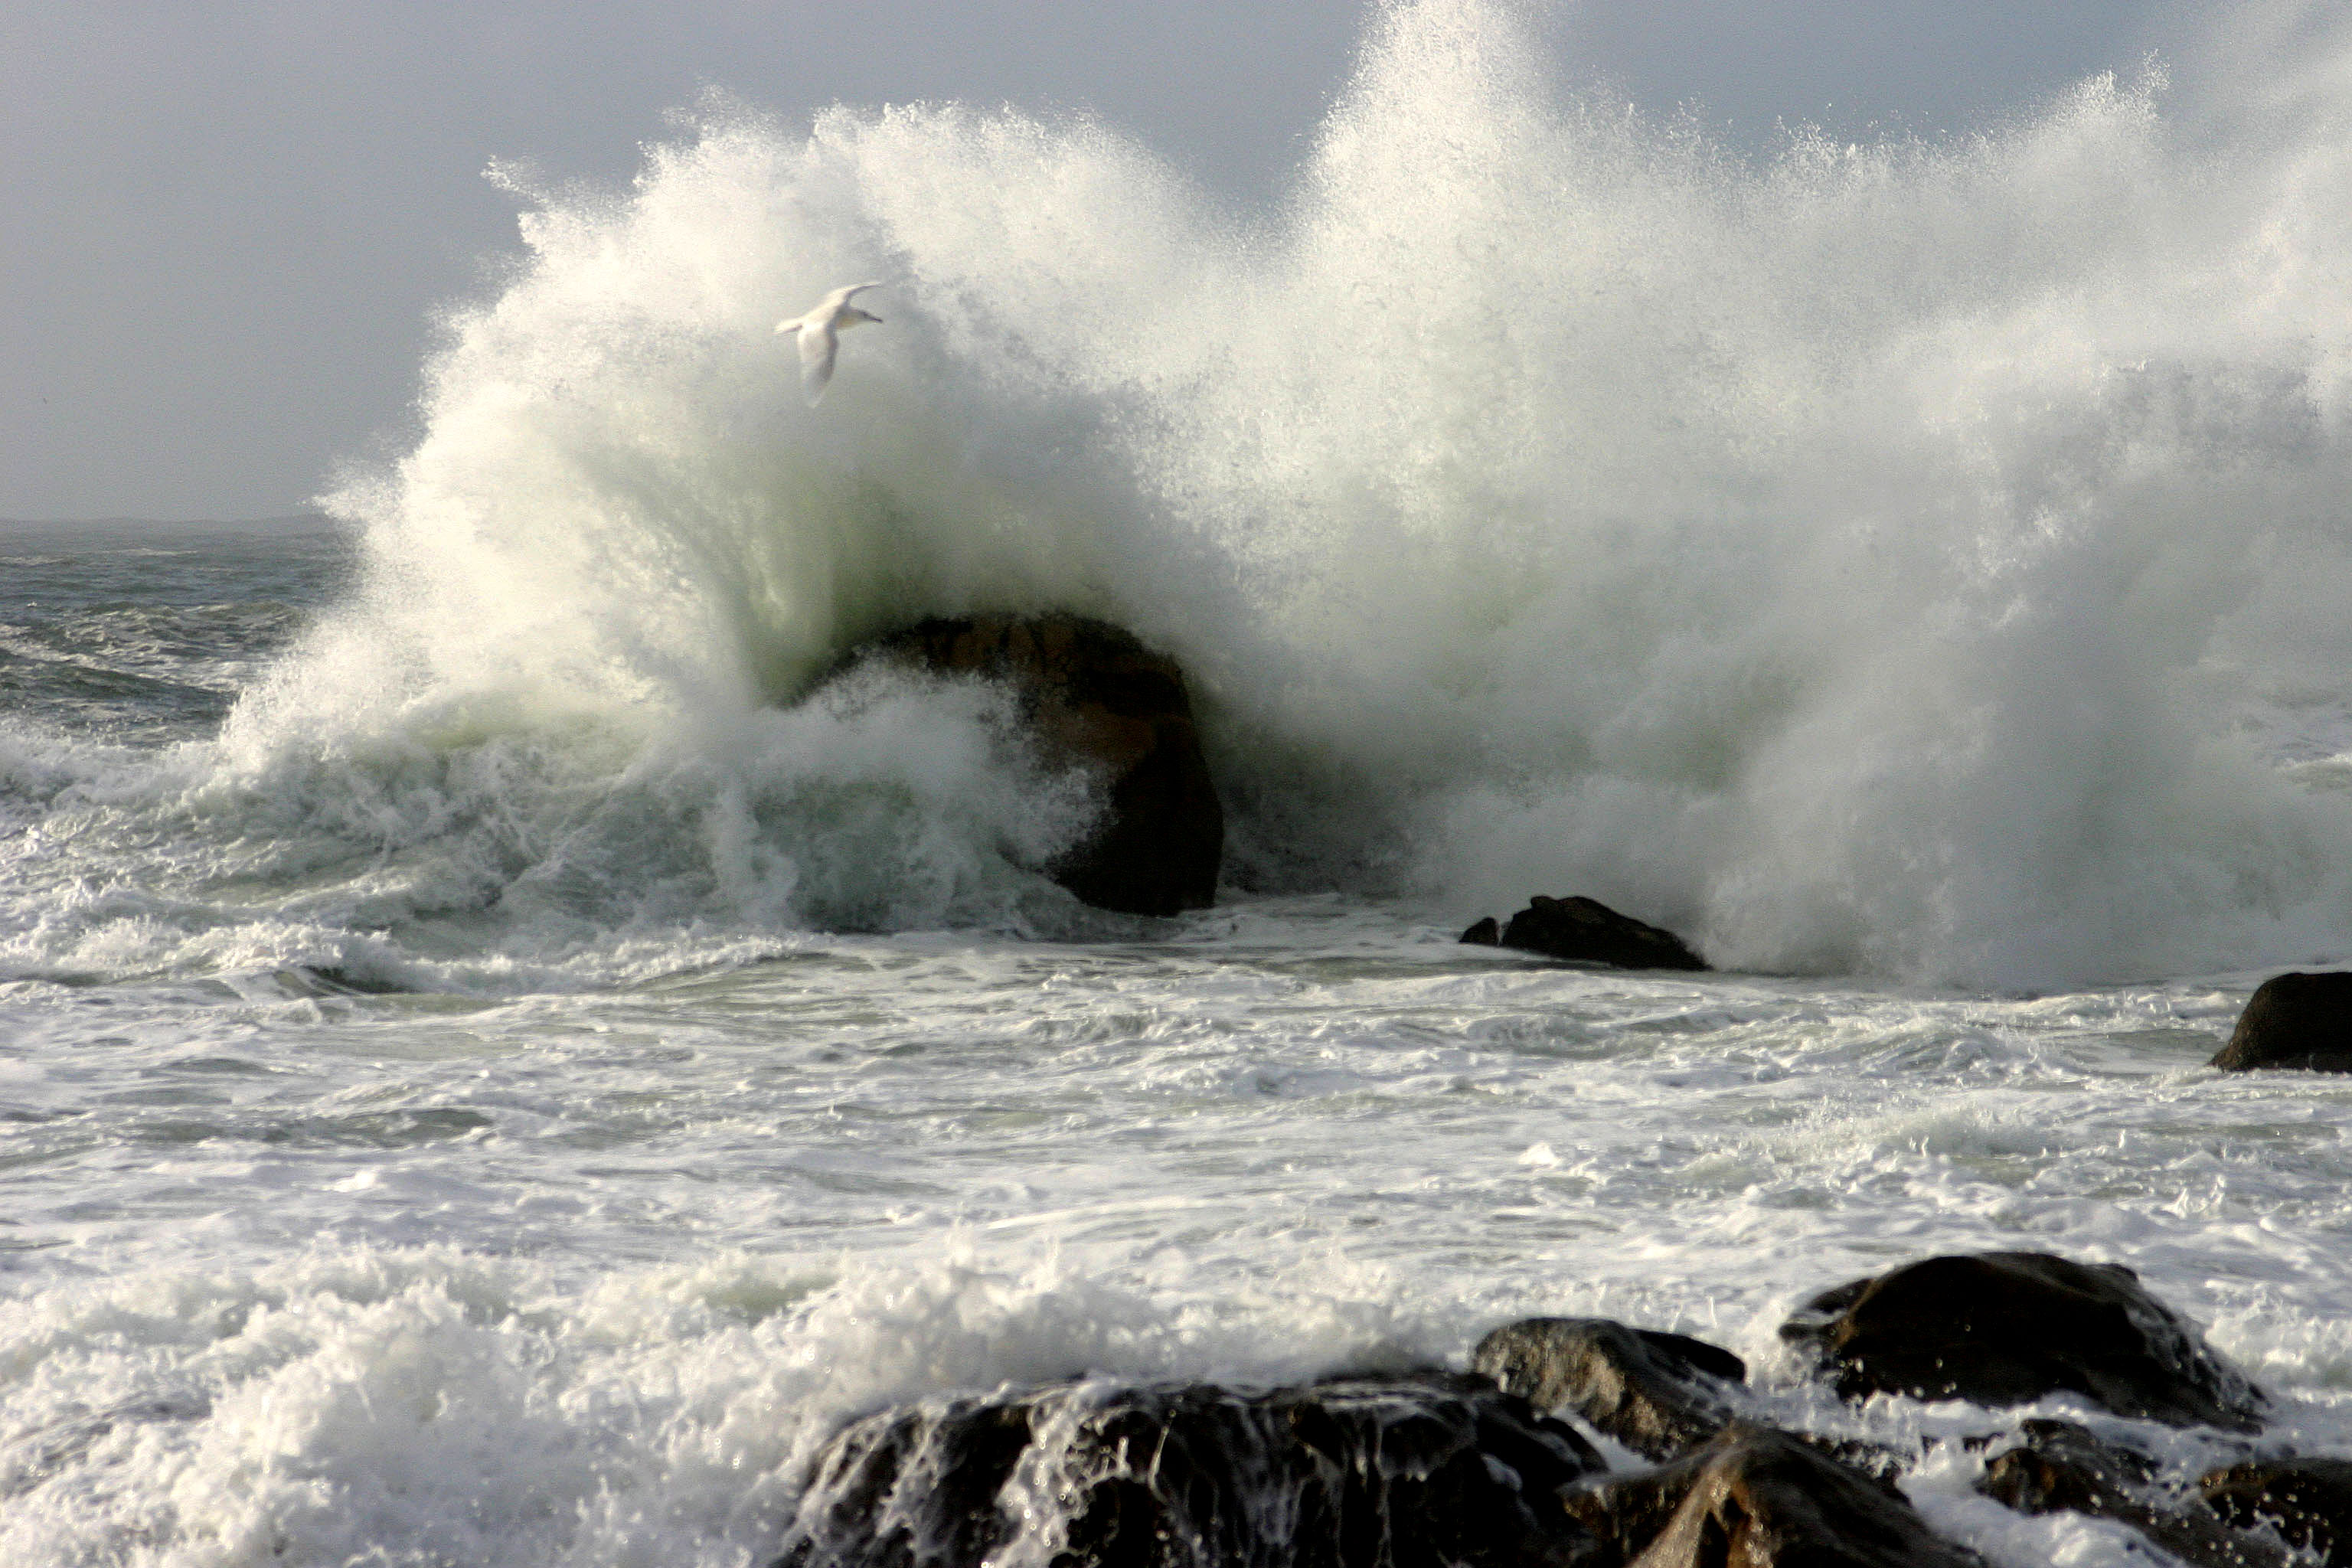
(1660, 1394)
(2294, 1021)
(1093, 694)
(2308, 1502)
(2006, 1328)
(2058, 1466)
(1757, 1497)
(1427, 1470)
(1589, 932)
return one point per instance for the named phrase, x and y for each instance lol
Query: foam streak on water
(583, 1278)
(486, 1078)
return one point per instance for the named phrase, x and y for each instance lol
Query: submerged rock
(2307, 1502)
(2005, 1328)
(2293, 1020)
(1589, 932)
(1755, 1498)
(1423, 1471)
(2059, 1466)
(1093, 694)
(1660, 1394)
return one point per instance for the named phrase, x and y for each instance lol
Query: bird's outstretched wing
(843, 296)
(818, 346)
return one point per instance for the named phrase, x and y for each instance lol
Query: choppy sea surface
(488, 1075)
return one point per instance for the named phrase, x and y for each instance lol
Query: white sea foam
(1926, 560)
(1913, 557)
(420, 1406)
(304, 1276)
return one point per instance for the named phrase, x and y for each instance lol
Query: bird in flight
(820, 333)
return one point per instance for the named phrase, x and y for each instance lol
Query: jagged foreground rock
(1660, 1394)
(1091, 693)
(1421, 1471)
(2307, 1502)
(2058, 1466)
(1752, 1497)
(1436, 1469)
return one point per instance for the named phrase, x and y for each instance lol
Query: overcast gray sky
(224, 224)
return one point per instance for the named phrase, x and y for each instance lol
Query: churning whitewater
(492, 1075)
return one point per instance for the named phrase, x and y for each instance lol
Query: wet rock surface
(2307, 1502)
(2058, 1466)
(1416, 1472)
(2006, 1328)
(1092, 693)
(2301, 1021)
(1588, 931)
(1759, 1498)
(1471, 1469)
(1658, 1393)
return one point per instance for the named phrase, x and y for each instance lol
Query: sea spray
(505, 1094)
(1921, 558)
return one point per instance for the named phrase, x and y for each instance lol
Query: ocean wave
(1916, 558)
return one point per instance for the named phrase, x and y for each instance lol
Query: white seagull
(820, 332)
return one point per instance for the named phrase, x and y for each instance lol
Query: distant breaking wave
(1923, 558)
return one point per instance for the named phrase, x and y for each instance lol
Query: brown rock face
(2004, 1327)
(1093, 694)
(1755, 1498)
(1660, 1394)
(2294, 1021)
(2308, 1500)
(2059, 1466)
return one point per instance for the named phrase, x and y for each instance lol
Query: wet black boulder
(1423, 1471)
(2307, 1502)
(1660, 1394)
(1092, 694)
(2006, 1328)
(2058, 1466)
(2295, 1020)
(1588, 931)
(1755, 1498)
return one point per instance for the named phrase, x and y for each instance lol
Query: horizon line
(313, 516)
